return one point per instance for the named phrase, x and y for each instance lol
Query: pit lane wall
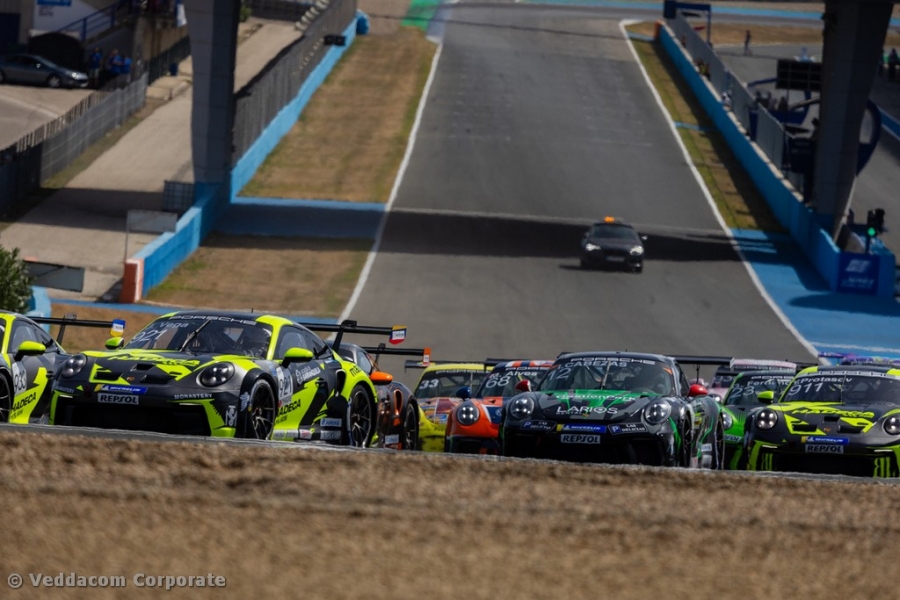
(872, 274)
(149, 267)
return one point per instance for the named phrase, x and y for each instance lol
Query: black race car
(615, 407)
(397, 425)
(613, 244)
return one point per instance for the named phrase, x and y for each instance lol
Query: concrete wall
(803, 224)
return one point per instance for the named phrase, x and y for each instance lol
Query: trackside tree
(15, 281)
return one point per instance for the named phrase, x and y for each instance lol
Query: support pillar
(853, 38)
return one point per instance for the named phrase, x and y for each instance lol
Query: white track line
(709, 199)
(370, 259)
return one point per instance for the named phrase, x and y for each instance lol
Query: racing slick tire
(361, 418)
(6, 400)
(410, 435)
(259, 419)
(718, 448)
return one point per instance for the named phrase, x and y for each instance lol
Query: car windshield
(845, 387)
(437, 384)
(610, 373)
(609, 231)
(502, 380)
(204, 334)
(747, 388)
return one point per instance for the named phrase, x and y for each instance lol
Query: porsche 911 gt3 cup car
(436, 393)
(397, 426)
(838, 420)
(615, 407)
(725, 374)
(749, 390)
(474, 425)
(222, 374)
(29, 357)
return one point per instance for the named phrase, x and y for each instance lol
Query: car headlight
(216, 375)
(657, 412)
(637, 251)
(727, 420)
(766, 419)
(468, 414)
(591, 247)
(892, 425)
(521, 408)
(73, 365)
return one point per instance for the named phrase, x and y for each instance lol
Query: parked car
(36, 70)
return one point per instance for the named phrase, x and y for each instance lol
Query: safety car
(615, 407)
(612, 243)
(222, 374)
(830, 419)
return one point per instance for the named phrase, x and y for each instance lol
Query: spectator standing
(893, 64)
(94, 62)
(747, 38)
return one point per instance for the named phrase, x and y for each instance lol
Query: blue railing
(97, 22)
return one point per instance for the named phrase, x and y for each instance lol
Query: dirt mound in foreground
(302, 522)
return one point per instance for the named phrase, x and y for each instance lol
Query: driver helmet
(254, 341)
(651, 379)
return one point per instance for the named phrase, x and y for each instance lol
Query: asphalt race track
(538, 121)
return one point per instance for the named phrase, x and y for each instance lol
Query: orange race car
(473, 426)
(436, 394)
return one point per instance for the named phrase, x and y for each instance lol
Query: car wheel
(2, 77)
(638, 269)
(410, 426)
(360, 418)
(718, 447)
(583, 263)
(6, 400)
(54, 81)
(260, 416)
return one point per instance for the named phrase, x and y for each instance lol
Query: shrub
(15, 281)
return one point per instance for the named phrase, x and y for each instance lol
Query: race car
(222, 374)
(615, 407)
(749, 390)
(436, 393)
(397, 426)
(725, 374)
(830, 419)
(474, 425)
(29, 358)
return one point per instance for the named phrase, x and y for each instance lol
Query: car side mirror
(29, 349)
(381, 378)
(766, 397)
(465, 392)
(114, 343)
(697, 390)
(296, 355)
(523, 385)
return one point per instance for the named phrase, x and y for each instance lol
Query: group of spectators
(103, 68)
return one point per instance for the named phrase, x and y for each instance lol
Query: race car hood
(827, 417)
(596, 405)
(133, 367)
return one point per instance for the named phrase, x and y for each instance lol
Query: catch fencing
(258, 102)
(49, 149)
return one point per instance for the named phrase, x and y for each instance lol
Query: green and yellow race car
(29, 358)
(223, 374)
(836, 420)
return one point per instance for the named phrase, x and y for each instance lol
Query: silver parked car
(29, 68)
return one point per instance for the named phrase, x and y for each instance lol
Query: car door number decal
(20, 379)
(284, 385)
(579, 438)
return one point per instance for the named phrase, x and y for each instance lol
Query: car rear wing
(382, 350)
(427, 362)
(397, 333)
(493, 362)
(116, 326)
(846, 358)
(701, 361)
